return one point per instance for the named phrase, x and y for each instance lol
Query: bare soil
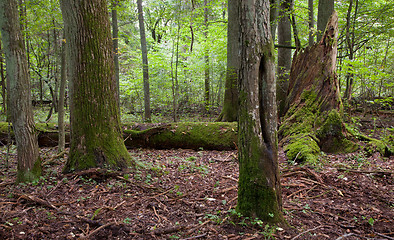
(186, 194)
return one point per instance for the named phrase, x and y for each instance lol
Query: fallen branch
(98, 229)
(365, 171)
(195, 237)
(197, 227)
(310, 230)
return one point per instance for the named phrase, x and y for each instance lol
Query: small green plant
(127, 220)
(371, 221)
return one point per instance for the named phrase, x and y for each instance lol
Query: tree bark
(96, 139)
(274, 13)
(230, 101)
(62, 91)
(115, 39)
(206, 59)
(3, 82)
(259, 191)
(145, 66)
(284, 54)
(20, 105)
(324, 11)
(313, 120)
(311, 22)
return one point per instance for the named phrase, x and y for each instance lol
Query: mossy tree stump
(313, 120)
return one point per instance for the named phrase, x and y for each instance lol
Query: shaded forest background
(186, 46)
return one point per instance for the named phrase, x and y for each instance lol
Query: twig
(345, 236)
(295, 193)
(365, 171)
(195, 228)
(168, 230)
(50, 161)
(228, 189)
(98, 229)
(195, 237)
(229, 177)
(310, 230)
(385, 236)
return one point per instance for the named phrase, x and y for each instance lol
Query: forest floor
(186, 194)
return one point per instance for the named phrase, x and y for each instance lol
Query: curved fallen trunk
(200, 135)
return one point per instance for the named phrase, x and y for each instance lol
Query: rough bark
(18, 85)
(259, 191)
(96, 139)
(274, 12)
(230, 101)
(115, 39)
(62, 91)
(284, 54)
(313, 119)
(324, 11)
(145, 66)
(2, 75)
(311, 22)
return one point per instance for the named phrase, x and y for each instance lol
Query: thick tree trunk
(324, 11)
(193, 135)
(145, 67)
(20, 105)
(313, 119)
(96, 139)
(230, 102)
(259, 191)
(284, 55)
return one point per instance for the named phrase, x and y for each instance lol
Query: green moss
(30, 175)
(302, 148)
(213, 135)
(258, 194)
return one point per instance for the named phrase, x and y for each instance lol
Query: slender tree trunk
(206, 59)
(96, 139)
(62, 91)
(20, 105)
(145, 67)
(230, 101)
(311, 21)
(274, 13)
(3, 83)
(284, 54)
(259, 190)
(350, 46)
(325, 9)
(297, 41)
(115, 39)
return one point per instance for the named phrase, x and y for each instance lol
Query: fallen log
(190, 135)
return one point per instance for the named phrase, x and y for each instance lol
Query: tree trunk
(145, 67)
(3, 83)
(206, 59)
(350, 38)
(311, 21)
(313, 120)
(20, 105)
(284, 54)
(230, 101)
(62, 91)
(115, 39)
(96, 139)
(274, 6)
(324, 11)
(259, 191)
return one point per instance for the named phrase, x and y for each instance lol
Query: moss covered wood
(313, 120)
(259, 191)
(96, 139)
(18, 87)
(203, 135)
